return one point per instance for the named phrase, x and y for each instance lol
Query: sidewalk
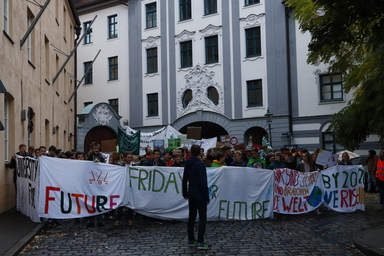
(16, 230)
(370, 242)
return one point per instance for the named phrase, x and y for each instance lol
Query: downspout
(289, 77)
(78, 32)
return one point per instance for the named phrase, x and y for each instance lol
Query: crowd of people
(263, 158)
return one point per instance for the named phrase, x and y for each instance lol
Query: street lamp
(268, 117)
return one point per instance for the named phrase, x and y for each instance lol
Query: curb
(19, 246)
(367, 242)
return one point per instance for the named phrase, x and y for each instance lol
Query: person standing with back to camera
(195, 190)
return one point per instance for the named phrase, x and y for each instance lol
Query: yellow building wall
(28, 83)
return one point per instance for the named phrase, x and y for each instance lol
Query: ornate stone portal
(201, 91)
(102, 115)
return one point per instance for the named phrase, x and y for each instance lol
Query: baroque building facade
(34, 95)
(218, 65)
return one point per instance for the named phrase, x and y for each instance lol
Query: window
(88, 36)
(114, 104)
(331, 87)
(112, 26)
(6, 129)
(213, 95)
(250, 2)
(187, 97)
(185, 9)
(211, 50)
(88, 103)
(113, 68)
(153, 108)
(151, 15)
(6, 17)
(152, 60)
(186, 54)
(88, 79)
(255, 93)
(210, 7)
(329, 143)
(30, 39)
(253, 42)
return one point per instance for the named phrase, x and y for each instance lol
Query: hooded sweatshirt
(195, 184)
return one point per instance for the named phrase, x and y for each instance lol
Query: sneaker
(193, 243)
(117, 223)
(203, 246)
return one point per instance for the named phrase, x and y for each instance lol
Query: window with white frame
(152, 60)
(251, 2)
(113, 68)
(186, 54)
(153, 104)
(88, 35)
(151, 15)
(185, 9)
(210, 7)
(114, 104)
(255, 93)
(6, 16)
(331, 87)
(88, 78)
(253, 42)
(328, 140)
(112, 26)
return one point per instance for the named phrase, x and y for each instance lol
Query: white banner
(205, 144)
(296, 192)
(147, 138)
(74, 188)
(343, 187)
(326, 158)
(27, 183)
(235, 193)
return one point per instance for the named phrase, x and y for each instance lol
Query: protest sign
(296, 192)
(74, 189)
(326, 158)
(343, 187)
(235, 193)
(147, 138)
(27, 183)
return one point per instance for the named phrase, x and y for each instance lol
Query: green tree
(348, 35)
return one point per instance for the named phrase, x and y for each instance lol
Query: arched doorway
(256, 134)
(98, 134)
(208, 129)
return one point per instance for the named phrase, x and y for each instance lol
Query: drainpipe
(78, 32)
(289, 77)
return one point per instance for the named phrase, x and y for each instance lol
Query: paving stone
(308, 234)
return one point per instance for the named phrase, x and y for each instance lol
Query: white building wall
(253, 68)
(309, 84)
(102, 90)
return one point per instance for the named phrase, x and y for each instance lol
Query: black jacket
(195, 184)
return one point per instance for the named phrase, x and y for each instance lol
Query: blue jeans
(372, 183)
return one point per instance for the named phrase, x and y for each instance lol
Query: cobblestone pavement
(309, 234)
